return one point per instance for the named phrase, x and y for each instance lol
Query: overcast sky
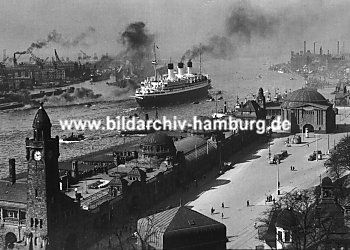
(177, 24)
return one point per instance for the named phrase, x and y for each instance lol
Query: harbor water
(242, 77)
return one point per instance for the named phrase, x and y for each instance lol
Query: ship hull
(174, 97)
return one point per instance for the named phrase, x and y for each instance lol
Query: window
(36, 222)
(36, 193)
(11, 214)
(280, 236)
(41, 223)
(31, 222)
(287, 236)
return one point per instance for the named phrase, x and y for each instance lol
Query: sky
(177, 25)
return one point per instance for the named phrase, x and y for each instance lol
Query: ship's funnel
(189, 67)
(171, 74)
(180, 69)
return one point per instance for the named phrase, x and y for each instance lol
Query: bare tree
(339, 160)
(309, 229)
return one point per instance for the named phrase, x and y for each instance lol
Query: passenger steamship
(174, 87)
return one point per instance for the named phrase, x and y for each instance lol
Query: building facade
(306, 109)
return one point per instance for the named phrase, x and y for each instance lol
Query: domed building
(307, 109)
(157, 144)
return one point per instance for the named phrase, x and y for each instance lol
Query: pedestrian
(247, 203)
(279, 184)
(212, 210)
(308, 145)
(222, 205)
(222, 215)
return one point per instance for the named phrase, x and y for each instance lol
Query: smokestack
(338, 47)
(304, 47)
(14, 59)
(314, 48)
(189, 67)
(12, 170)
(180, 69)
(171, 74)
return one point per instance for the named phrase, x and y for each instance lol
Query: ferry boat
(174, 87)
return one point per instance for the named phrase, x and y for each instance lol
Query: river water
(242, 77)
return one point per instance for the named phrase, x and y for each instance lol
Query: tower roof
(41, 119)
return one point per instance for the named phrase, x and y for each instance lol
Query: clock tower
(43, 181)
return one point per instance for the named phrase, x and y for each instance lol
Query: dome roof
(303, 96)
(286, 219)
(327, 182)
(158, 138)
(41, 119)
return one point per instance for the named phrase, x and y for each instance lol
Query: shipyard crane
(57, 57)
(85, 56)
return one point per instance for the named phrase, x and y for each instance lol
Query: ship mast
(200, 59)
(155, 61)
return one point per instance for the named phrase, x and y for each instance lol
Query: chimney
(189, 67)
(338, 47)
(12, 170)
(314, 48)
(180, 69)
(304, 47)
(225, 108)
(14, 60)
(171, 74)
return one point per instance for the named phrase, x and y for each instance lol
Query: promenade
(254, 178)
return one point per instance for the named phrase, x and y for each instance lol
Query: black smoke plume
(243, 23)
(246, 21)
(57, 38)
(137, 42)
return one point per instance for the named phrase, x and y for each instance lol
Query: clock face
(37, 155)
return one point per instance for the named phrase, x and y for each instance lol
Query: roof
(179, 218)
(189, 143)
(304, 96)
(286, 219)
(41, 119)
(16, 192)
(158, 138)
(327, 182)
(250, 106)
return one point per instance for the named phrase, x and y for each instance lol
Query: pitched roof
(179, 218)
(186, 218)
(16, 192)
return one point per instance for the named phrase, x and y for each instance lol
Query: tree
(339, 160)
(146, 228)
(309, 229)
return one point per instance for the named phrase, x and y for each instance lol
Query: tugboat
(72, 138)
(173, 87)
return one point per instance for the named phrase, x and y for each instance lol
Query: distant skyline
(177, 25)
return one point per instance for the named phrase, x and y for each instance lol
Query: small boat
(72, 138)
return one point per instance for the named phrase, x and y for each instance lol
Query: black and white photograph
(174, 124)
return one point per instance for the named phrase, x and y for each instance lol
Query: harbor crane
(85, 56)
